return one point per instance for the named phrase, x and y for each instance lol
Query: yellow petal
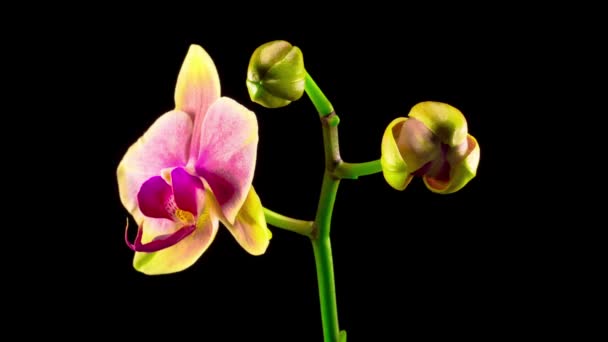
(394, 167)
(445, 121)
(249, 228)
(198, 83)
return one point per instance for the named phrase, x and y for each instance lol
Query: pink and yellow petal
(460, 174)
(228, 151)
(182, 255)
(417, 144)
(164, 145)
(394, 168)
(198, 83)
(250, 229)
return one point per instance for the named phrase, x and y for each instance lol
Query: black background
(406, 263)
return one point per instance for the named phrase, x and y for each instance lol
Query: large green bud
(276, 74)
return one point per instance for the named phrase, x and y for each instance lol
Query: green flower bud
(433, 143)
(276, 74)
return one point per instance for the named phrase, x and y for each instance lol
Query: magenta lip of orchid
(177, 203)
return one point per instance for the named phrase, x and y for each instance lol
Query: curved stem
(321, 246)
(319, 100)
(285, 222)
(355, 170)
(320, 239)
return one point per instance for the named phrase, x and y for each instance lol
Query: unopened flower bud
(276, 74)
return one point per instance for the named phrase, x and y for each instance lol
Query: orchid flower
(434, 143)
(190, 170)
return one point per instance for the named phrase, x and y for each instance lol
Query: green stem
(319, 100)
(321, 242)
(355, 170)
(321, 245)
(285, 222)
